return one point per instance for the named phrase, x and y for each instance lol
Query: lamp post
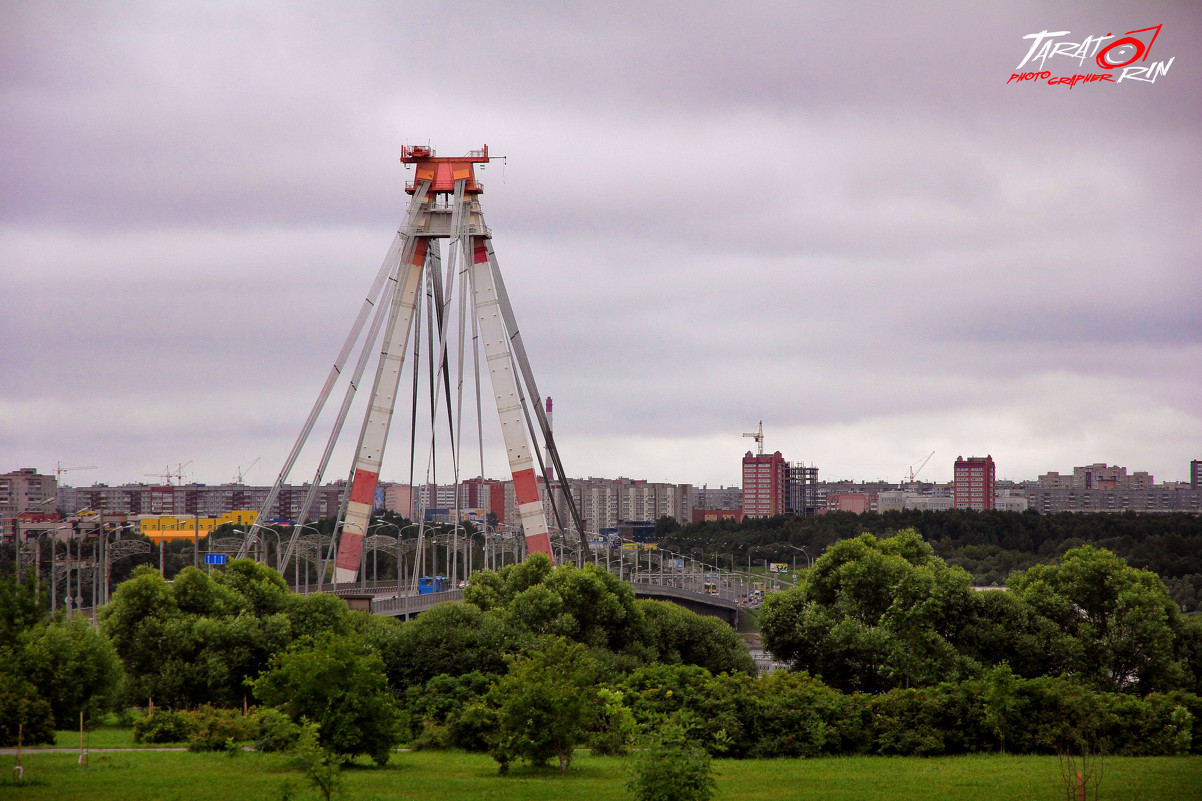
(296, 574)
(108, 562)
(17, 536)
(398, 550)
(53, 532)
(454, 565)
(802, 548)
(408, 586)
(246, 536)
(263, 542)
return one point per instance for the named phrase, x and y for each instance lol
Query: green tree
(21, 606)
(24, 715)
(73, 666)
(1125, 626)
(545, 705)
(874, 614)
(314, 615)
(1006, 629)
(678, 636)
(1000, 702)
(136, 621)
(262, 589)
(665, 526)
(587, 605)
(337, 683)
(322, 768)
(198, 639)
(452, 639)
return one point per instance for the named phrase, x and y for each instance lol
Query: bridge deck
(694, 591)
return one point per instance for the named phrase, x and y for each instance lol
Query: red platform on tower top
(442, 173)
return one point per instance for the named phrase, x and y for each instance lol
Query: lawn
(137, 775)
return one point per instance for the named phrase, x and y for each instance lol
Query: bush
(276, 731)
(164, 726)
(615, 724)
(431, 711)
(544, 705)
(672, 770)
(475, 728)
(219, 729)
(714, 709)
(339, 684)
(204, 729)
(23, 714)
(792, 716)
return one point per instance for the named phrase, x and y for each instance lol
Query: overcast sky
(837, 218)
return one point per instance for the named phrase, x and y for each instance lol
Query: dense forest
(989, 545)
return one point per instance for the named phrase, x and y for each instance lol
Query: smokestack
(547, 456)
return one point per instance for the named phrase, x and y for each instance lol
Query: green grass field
(447, 775)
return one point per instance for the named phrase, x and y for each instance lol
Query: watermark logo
(1122, 57)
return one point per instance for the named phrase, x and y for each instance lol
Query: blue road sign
(214, 559)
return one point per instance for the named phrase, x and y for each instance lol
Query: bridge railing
(650, 567)
(406, 604)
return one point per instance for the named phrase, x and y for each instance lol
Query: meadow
(426, 775)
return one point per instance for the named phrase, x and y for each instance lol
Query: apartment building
(765, 478)
(973, 483)
(606, 502)
(201, 500)
(1097, 476)
(25, 491)
(1162, 499)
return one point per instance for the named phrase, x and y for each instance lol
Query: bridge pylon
(444, 205)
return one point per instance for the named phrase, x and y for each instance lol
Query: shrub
(714, 709)
(23, 714)
(431, 711)
(218, 729)
(339, 684)
(322, 767)
(544, 705)
(615, 724)
(672, 769)
(792, 715)
(164, 726)
(475, 728)
(276, 731)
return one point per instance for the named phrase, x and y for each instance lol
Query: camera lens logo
(1127, 50)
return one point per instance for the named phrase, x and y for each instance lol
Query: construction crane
(169, 474)
(914, 473)
(243, 470)
(59, 470)
(758, 436)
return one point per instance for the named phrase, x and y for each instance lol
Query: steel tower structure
(444, 204)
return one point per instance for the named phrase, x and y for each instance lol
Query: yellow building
(184, 527)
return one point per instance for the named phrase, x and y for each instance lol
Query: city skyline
(845, 223)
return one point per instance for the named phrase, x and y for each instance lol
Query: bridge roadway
(686, 589)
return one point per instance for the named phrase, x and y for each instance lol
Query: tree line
(890, 652)
(990, 545)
